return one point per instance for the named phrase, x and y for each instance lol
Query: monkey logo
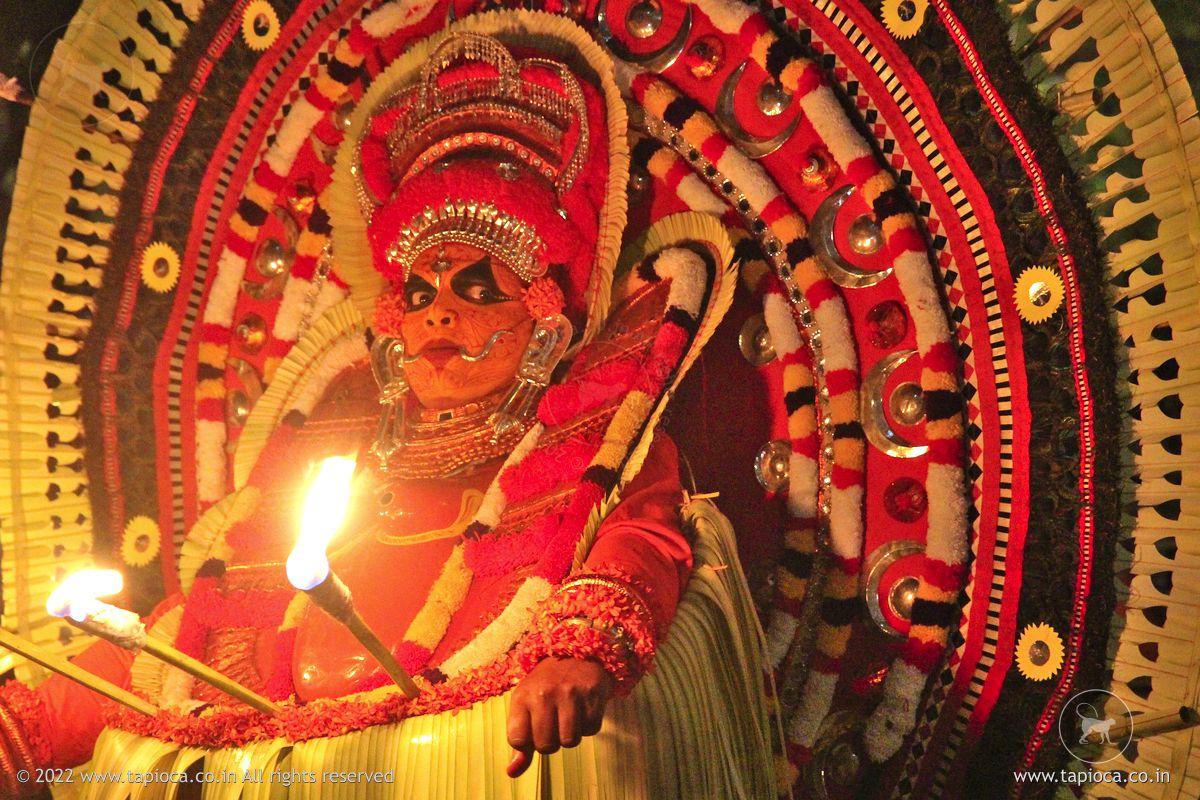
(1095, 726)
(1092, 726)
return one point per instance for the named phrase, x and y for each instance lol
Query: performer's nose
(441, 318)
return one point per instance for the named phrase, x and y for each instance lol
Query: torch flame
(324, 510)
(76, 596)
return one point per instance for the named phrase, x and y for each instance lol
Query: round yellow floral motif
(1039, 652)
(141, 542)
(1039, 294)
(903, 18)
(160, 267)
(260, 25)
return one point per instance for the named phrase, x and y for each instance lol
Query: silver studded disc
(902, 596)
(272, 259)
(771, 465)
(865, 236)
(644, 19)
(907, 403)
(773, 99)
(755, 341)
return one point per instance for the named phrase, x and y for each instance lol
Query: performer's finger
(520, 738)
(592, 717)
(570, 720)
(543, 718)
(521, 759)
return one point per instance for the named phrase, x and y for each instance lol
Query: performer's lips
(440, 351)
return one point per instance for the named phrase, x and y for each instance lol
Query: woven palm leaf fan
(949, 412)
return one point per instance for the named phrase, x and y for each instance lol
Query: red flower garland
(543, 298)
(389, 314)
(26, 706)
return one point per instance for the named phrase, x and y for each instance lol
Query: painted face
(460, 303)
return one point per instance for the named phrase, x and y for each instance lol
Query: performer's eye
(476, 284)
(418, 293)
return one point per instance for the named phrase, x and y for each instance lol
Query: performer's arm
(56, 725)
(599, 630)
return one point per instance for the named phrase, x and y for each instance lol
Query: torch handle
(369, 640)
(63, 667)
(209, 675)
(333, 596)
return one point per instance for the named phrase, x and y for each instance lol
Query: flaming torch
(308, 567)
(76, 600)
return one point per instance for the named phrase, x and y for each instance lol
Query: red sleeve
(641, 539)
(57, 723)
(74, 715)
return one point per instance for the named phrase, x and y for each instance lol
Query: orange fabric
(73, 714)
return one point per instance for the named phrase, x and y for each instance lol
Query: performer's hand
(558, 703)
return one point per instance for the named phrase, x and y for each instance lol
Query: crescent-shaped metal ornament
(654, 61)
(877, 564)
(753, 146)
(821, 237)
(878, 430)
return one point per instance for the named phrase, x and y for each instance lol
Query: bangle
(596, 617)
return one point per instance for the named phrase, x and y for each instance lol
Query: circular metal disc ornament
(903, 595)
(644, 19)
(1039, 294)
(907, 403)
(237, 408)
(772, 99)
(876, 427)
(771, 465)
(272, 259)
(251, 333)
(866, 237)
(821, 237)
(755, 341)
(835, 771)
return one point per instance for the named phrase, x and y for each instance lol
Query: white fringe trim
(222, 298)
(698, 196)
(292, 134)
(291, 309)
(913, 272)
(388, 19)
(726, 16)
(785, 334)
(749, 177)
(500, 634)
(947, 514)
(685, 270)
(846, 521)
(833, 126)
(780, 633)
(803, 477)
(814, 704)
(494, 500)
(317, 380)
(896, 715)
(837, 342)
(210, 459)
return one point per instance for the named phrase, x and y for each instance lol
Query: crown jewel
(501, 235)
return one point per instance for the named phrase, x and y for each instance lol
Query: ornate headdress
(507, 137)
